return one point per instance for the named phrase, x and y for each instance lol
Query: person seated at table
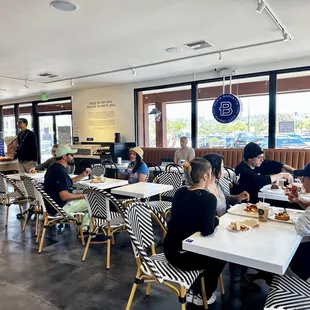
(58, 185)
(194, 210)
(220, 187)
(137, 170)
(299, 264)
(272, 167)
(185, 153)
(250, 180)
(48, 162)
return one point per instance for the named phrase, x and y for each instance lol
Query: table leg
(234, 302)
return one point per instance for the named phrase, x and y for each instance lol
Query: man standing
(58, 185)
(185, 153)
(27, 150)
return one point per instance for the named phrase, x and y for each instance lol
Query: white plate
(240, 231)
(294, 215)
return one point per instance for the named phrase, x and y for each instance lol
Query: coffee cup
(263, 210)
(119, 160)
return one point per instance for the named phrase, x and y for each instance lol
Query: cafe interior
(131, 97)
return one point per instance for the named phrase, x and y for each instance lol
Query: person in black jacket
(251, 178)
(27, 150)
(194, 210)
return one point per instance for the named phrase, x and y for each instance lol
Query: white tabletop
(36, 176)
(269, 247)
(141, 190)
(109, 183)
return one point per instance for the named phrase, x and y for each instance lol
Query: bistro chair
(288, 293)
(7, 198)
(61, 217)
(108, 164)
(167, 178)
(97, 170)
(156, 172)
(155, 267)
(34, 206)
(102, 220)
(173, 167)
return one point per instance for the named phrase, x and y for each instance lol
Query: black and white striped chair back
(29, 188)
(38, 195)
(20, 193)
(98, 202)
(3, 184)
(170, 167)
(138, 222)
(97, 170)
(230, 174)
(156, 167)
(170, 178)
(288, 293)
(49, 200)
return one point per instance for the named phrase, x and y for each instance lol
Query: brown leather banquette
(295, 158)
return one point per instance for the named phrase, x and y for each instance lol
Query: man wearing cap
(58, 185)
(185, 153)
(300, 262)
(137, 170)
(251, 179)
(27, 150)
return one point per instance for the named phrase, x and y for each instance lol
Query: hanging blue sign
(226, 108)
(2, 147)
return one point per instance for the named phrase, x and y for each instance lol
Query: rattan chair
(102, 220)
(97, 170)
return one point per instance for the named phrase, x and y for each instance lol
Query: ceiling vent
(198, 45)
(46, 74)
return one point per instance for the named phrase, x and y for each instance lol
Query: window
(174, 121)
(252, 124)
(293, 110)
(9, 123)
(25, 111)
(55, 106)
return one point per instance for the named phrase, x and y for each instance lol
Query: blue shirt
(134, 177)
(56, 180)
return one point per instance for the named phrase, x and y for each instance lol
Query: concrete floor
(58, 279)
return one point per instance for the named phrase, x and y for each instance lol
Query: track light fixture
(134, 73)
(220, 56)
(260, 6)
(72, 83)
(26, 84)
(286, 36)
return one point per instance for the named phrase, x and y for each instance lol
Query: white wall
(99, 113)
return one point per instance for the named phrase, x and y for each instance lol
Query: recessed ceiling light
(64, 6)
(45, 74)
(52, 76)
(174, 49)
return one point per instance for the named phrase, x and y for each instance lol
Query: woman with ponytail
(194, 210)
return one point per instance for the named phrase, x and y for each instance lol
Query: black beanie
(252, 150)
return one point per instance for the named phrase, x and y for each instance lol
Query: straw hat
(138, 151)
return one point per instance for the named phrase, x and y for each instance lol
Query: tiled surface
(58, 279)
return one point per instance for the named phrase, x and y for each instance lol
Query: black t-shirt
(192, 211)
(269, 167)
(56, 180)
(251, 180)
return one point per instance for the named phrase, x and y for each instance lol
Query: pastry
(251, 208)
(274, 186)
(237, 226)
(282, 216)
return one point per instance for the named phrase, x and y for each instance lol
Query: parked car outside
(241, 139)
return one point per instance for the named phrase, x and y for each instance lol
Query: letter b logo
(225, 108)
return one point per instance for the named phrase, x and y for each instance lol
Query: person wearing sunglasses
(58, 185)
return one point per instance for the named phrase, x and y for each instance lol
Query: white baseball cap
(63, 150)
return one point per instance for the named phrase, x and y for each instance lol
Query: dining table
(141, 190)
(269, 247)
(107, 184)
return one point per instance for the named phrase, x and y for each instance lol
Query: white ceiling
(116, 34)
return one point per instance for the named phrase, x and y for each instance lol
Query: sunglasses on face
(70, 154)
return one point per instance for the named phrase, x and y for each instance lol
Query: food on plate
(292, 191)
(98, 179)
(274, 186)
(282, 216)
(238, 226)
(251, 223)
(251, 208)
